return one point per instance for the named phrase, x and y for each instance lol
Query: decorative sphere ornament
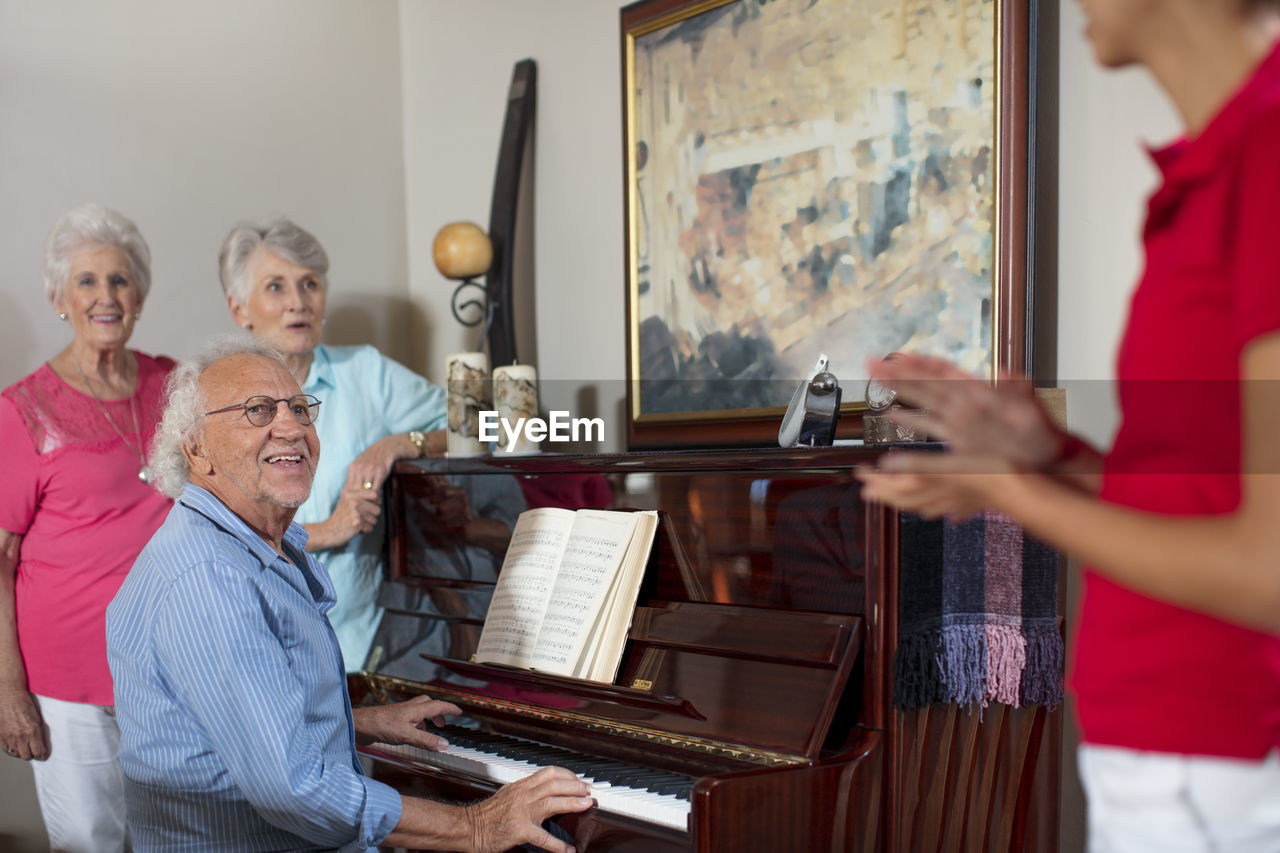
(462, 250)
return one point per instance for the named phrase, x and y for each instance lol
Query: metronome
(811, 416)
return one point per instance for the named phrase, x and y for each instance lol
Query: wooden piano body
(759, 661)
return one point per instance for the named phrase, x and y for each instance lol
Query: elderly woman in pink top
(76, 507)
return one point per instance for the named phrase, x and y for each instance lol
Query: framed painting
(840, 177)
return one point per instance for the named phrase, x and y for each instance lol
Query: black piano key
(598, 769)
(672, 786)
(473, 737)
(595, 768)
(658, 783)
(631, 778)
(613, 774)
(470, 737)
(579, 765)
(638, 779)
(533, 754)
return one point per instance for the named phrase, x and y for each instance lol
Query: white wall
(1104, 179)
(189, 117)
(458, 59)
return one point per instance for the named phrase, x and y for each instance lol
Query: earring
(62, 316)
(138, 316)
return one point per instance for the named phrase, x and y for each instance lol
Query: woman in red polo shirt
(1177, 660)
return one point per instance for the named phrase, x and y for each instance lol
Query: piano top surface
(672, 461)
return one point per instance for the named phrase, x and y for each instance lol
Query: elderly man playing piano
(236, 730)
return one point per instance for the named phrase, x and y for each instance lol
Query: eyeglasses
(262, 410)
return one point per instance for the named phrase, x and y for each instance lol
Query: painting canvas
(805, 177)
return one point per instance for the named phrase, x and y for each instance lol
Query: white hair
(187, 405)
(92, 226)
(283, 239)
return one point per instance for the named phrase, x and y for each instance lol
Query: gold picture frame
(848, 177)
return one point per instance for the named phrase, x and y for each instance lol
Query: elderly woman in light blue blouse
(375, 412)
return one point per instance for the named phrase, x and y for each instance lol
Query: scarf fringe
(917, 679)
(1006, 662)
(975, 665)
(964, 664)
(1042, 678)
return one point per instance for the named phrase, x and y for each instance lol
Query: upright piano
(753, 707)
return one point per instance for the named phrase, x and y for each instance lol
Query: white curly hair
(187, 405)
(92, 226)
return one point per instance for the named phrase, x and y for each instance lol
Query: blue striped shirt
(236, 729)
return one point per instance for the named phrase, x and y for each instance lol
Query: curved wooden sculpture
(521, 98)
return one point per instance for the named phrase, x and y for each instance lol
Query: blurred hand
(514, 815)
(23, 733)
(448, 504)
(401, 722)
(453, 508)
(972, 415)
(938, 485)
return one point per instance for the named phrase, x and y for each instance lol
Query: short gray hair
(187, 405)
(281, 238)
(94, 226)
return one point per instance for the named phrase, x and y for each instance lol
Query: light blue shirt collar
(320, 374)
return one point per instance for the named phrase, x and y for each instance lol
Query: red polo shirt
(1149, 675)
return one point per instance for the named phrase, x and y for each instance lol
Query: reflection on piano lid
(689, 657)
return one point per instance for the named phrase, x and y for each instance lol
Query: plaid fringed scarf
(977, 615)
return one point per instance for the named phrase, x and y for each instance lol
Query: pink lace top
(71, 489)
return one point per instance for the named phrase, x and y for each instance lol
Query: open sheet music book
(566, 591)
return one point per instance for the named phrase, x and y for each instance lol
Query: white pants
(80, 786)
(1165, 803)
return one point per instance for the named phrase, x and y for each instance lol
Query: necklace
(144, 472)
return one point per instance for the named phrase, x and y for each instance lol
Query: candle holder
(484, 308)
(462, 252)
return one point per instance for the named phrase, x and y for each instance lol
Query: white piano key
(662, 809)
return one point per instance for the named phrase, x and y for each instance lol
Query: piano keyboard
(648, 795)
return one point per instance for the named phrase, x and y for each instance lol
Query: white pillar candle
(470, 391)
(515, 397)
